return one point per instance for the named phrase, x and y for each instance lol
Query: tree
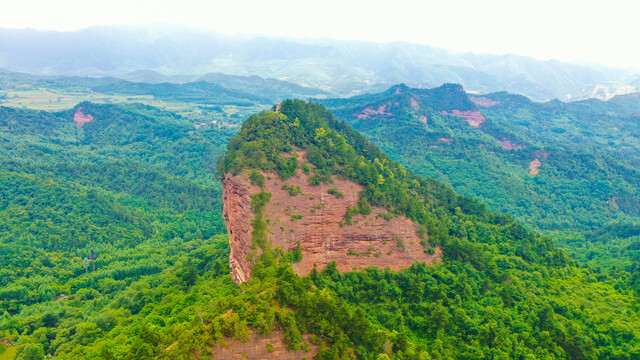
(30, 351)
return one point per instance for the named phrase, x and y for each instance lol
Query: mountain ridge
(339, 67)
(504, 132)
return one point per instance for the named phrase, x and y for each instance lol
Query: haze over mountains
(157, 53)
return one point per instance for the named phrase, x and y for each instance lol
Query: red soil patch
(270, 346)
(414, 104)
(614, 203)
(299, 153)
(423, 119)
(370, 111)
(509, 145)
(533, 167)
(474, 118)
(80, 118)
(445, 140)
(483, 101)
(171, 346)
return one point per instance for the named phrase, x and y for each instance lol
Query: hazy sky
(598, 31)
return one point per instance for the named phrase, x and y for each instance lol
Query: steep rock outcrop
(315, 219)
(237, 214)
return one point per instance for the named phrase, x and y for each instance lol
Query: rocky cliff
(237, 214)
(314, 217)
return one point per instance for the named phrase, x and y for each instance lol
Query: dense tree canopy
(144, 202)
(585, 153)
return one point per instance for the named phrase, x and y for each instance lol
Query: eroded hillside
(312, 219)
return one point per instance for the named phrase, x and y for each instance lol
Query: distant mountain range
(161, 53)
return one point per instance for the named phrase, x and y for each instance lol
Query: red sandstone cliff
(237, 214)
(314, 218)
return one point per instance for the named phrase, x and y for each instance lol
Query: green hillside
(162, 287)
(135, 185)
(587, 174)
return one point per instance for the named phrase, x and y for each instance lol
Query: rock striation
(314, 218)
(237, 214)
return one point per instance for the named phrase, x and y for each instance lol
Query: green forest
(136, 188)
(588, 173)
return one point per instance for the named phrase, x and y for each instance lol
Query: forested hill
(488, 258)
(553, 166)
(134, 183)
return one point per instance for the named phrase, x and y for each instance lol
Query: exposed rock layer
(474, 118)
(260, 347)
(237, 214)
(80, 118)
(315, 218)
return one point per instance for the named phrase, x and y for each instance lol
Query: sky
(600, 32)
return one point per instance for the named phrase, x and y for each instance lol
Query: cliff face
(315, 218)
(237, 214)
